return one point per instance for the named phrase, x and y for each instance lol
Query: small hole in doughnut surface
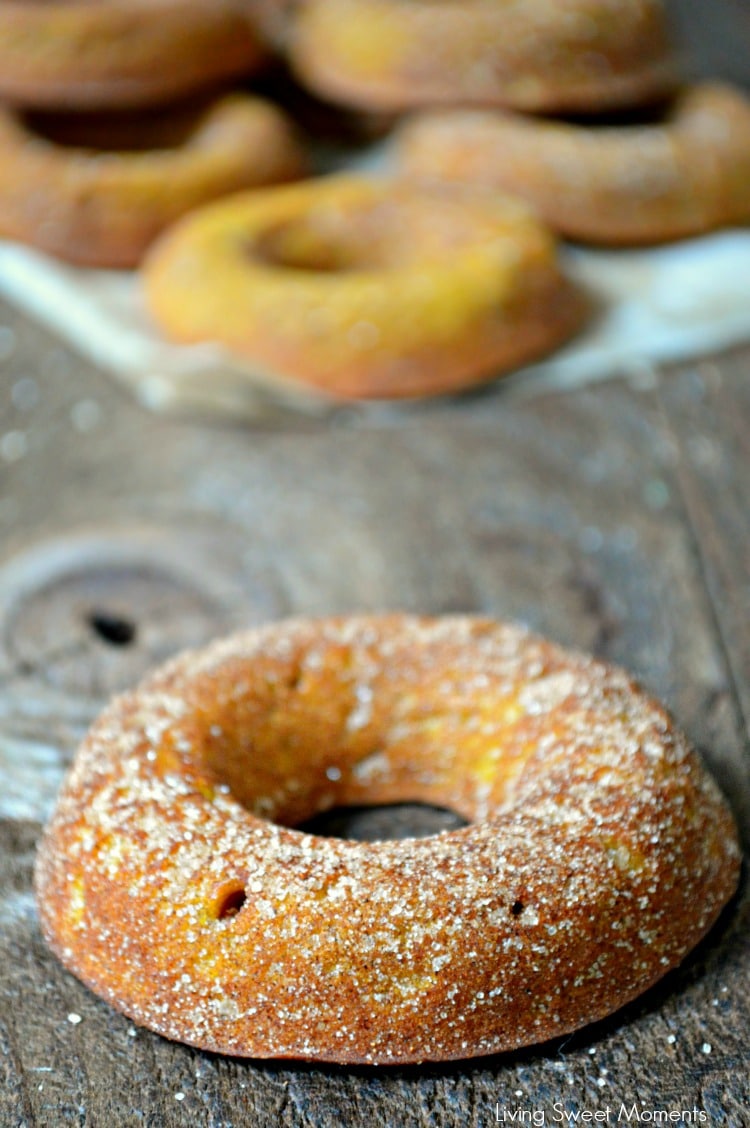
(230, 902)
(112, 629)
(517, 908)
(383, 823)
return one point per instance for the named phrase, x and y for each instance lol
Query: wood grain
(612, 518)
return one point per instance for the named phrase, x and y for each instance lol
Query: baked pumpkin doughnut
(614, 184)
(536, 55)
(76, 54)
(170, 881)
(365, 288)
(60, 192)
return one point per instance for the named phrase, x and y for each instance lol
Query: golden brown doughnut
(543, 55)
(61, 193)
(365, 288)
(79, 54)
(617, 184)
(170, 881)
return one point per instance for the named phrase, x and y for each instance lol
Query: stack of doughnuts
(681, 168)
(116, 122)
(116, 126)
(111, 126)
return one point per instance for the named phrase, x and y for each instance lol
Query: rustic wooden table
(613, 518)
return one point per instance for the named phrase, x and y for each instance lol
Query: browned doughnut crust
(365, 288)
(80, 54)
(98, 208)
(598, 851)
(541, 55)
(617, 184)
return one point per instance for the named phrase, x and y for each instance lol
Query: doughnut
(539, 55)
(62, 193)
(365, 288)
(76, 54)
(616, 184)
(171, 878)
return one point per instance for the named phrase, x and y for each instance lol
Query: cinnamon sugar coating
(538, 55)
(170, 879)
(78, 54)
(686, 173)
(365, 288)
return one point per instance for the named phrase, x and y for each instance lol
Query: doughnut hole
(303, 247)
(331, 730)
(379, 824)
(377, 235)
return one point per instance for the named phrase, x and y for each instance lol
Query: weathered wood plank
(707, 412)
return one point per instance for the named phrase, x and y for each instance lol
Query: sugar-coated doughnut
(365, 288)
(618, 184)
(77, 54)
(170, 879)
(63, 194)
(541, 55)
